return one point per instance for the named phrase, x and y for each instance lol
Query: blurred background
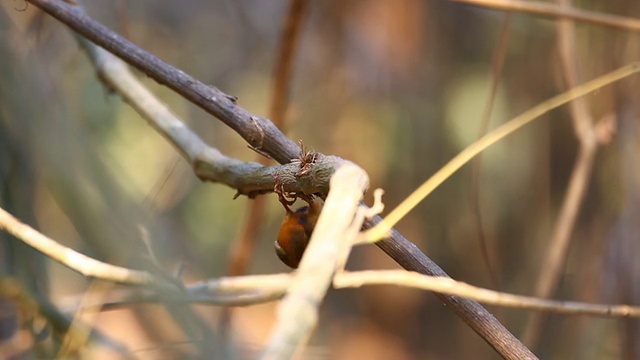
(399, 87)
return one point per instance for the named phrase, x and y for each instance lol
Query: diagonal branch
(259, 132)
(208, 163)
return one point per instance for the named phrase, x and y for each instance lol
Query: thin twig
(264, 288)
(83, 322)
(381, 230)
(497, 63)
(452, 287)
(225, 291)
(584, 129)
(556, 11)
(70, 258)
(57, 321)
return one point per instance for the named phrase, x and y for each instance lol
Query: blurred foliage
(397, 87)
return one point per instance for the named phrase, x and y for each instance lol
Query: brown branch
(556, 11)
(263, 135)
(471, 312)
(259, 132)
(209, 164)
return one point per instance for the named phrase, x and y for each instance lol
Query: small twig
(378, 205)
(497, 64)
(83, 321)
(57, 321)
(452, 287)
(584, 128)
(70, 258)
(381, 230)
(225, 291)
(555, 11)
(256, 289)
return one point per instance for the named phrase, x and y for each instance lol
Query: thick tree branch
(259, 132)
(209, 164)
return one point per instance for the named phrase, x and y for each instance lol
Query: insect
(295, 232)
(298, 225)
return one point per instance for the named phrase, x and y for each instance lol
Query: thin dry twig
(70, 258)
(225, 291)
(382, 229)
(497, 63)
(452, 287)
(584, 129)
(556, 11)
(256, 289)
(83, 321)
(57, 322)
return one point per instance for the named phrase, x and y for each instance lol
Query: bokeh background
(398, 87)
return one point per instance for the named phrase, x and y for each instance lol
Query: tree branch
(259, 132)
(256, 289)
(209, 163)
(70, 258)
